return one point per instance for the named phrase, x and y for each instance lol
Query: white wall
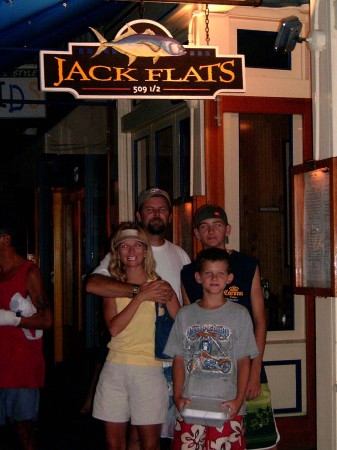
(260, 82)
(324, 69)
(322, 78)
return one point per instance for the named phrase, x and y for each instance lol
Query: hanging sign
(142, 62)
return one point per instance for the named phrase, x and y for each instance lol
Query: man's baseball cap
(209, 212)
(153, 192)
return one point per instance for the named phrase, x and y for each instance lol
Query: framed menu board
(314, 227)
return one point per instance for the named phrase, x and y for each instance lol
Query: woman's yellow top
(135, 344)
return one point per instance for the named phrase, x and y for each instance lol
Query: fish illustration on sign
(147, 44)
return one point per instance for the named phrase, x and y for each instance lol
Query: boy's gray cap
(153, 192)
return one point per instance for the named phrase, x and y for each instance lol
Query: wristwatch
(135, 289)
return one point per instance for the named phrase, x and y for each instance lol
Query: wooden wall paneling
(58, 274)
(214, 154)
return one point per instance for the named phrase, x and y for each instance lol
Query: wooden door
(264, 163)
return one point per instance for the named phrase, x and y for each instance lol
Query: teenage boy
(211, 227)
(212, 342)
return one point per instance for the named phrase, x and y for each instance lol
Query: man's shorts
(259, 423)
(127, 392)
(199, 437)
(19, 404)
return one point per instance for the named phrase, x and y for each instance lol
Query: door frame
(215, 193)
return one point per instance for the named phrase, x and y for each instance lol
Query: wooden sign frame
(314, 187)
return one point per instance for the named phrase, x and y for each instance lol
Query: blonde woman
(131, 385)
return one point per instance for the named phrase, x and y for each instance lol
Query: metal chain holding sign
(141, 9)
(207, 24)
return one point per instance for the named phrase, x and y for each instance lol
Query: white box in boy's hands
(206, 411)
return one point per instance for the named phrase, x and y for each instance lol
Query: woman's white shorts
(126, 392)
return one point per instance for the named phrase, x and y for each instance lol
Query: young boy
(212, 342)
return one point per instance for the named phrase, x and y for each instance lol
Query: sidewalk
(61, 426)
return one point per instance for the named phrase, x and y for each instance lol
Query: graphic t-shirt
(211, 342)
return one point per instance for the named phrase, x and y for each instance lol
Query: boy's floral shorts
(198, 437)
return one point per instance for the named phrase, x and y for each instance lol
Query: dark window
(258, 48)
(164, 159)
